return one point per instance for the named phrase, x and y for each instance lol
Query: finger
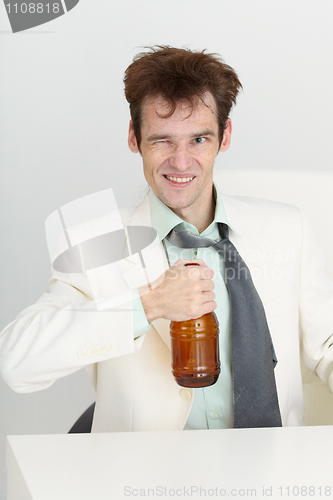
(206, 308)
(206, 273)
(209, 297)
(199, 273)
(194, 272)
(208, 285)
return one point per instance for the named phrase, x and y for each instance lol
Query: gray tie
(255, 401)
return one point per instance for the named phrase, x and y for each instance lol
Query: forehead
(157, 111)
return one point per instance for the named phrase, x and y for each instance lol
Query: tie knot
(185, 239)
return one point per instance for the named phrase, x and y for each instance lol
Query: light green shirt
(212, 406)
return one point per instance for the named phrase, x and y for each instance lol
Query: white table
(246, 463)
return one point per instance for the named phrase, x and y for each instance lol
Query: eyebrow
(160, 137)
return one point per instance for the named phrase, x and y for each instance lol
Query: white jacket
(63, 332)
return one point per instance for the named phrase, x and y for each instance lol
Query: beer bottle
(195, 351)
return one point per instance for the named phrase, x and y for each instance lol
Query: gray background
(64, 120)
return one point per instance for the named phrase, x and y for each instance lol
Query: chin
(176, 201)
(178, 205)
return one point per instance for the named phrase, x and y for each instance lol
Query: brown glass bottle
(195, 351)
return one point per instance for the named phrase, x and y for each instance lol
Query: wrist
(149, 305)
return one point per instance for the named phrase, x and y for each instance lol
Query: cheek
(213, 153)
(149, 169)
(153, 161)
(206, 158)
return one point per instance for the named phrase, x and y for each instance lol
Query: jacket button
(185, 395)
(82, 355)
(92, 352)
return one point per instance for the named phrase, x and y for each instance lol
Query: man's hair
(179, 75)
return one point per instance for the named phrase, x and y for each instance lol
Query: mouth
(179, 181)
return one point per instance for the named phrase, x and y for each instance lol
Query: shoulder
(260, 208)
(248, 215)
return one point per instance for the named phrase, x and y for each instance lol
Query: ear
(132, 144)
(226, 136)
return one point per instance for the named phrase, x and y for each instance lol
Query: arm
(61, 333)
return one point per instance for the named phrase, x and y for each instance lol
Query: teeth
(179, 179)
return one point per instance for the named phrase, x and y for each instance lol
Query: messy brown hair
(179, 75)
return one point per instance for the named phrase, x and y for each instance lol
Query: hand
(184, 292)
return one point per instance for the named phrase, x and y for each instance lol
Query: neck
(202, 218)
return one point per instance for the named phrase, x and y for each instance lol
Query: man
(180, 103)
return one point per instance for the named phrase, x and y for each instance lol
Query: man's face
(179, 152)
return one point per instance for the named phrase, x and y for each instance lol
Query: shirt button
(216, 416)
(185, 395)
(109, 347)
(82, 355)
(100, 349)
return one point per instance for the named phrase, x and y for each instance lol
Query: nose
(180, 158)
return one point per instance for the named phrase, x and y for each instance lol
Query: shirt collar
(164, 219)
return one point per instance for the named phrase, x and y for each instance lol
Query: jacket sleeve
(62, 332)
(316, 308)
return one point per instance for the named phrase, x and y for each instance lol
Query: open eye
(199, 140)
